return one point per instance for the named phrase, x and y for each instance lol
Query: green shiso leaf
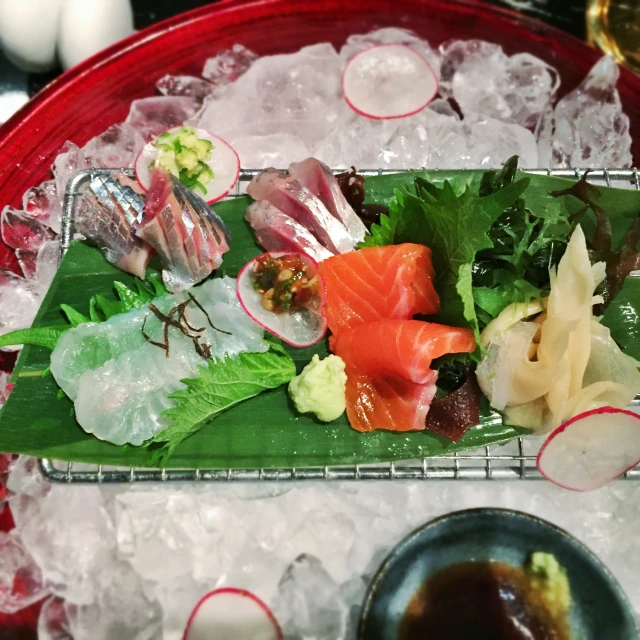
(221, 385)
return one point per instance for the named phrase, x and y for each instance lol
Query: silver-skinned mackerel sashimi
(108, 211)
(295, 200)
(317, 177)
(277, 231)
(188, 236)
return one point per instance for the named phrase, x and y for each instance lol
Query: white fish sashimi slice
(277, 231)
(90, 345)
(121, 399)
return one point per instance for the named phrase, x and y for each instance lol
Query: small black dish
(599, 609)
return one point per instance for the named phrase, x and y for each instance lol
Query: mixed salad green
(495, 236)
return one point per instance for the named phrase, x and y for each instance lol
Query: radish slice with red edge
(224, 162)
(231, 614)
(388, 81)
(300, 328)
(591, 449)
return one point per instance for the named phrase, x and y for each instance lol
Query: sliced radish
(591, 449)
(388, 81)
(231, 614)
(301, 328)
(225, 164)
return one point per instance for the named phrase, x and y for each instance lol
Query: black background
(565, 14)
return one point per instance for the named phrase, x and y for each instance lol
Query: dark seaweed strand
(193, 299)
(182, 318)
(169, 321)
(203, 350)
(164, 346)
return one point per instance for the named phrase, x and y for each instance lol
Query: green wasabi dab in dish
(320, 388)
(552, 581)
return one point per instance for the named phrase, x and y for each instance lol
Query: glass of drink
(614, 26)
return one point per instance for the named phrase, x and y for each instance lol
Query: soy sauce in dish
(483, 601)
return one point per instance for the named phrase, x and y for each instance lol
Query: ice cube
(276, 150)
(309, 605)
(47, 263)
(430, 139)
(69, 161)
(295, 93)
(28, 263)
(544, 137)
(353, 592)
(53, 623)
(588, 127)
(21, 231)
(485, 81)
(21, 583)
(143, 536)
(412, 142)
(121, 609)
(390, 35)
(444, 108)
(70, 536)
(228, 65)
(117, 147)
(189, 86)
(7, 460)
(357, 141)
(19, 301)
(177, 599)
(42, 202)
(151, 116)
(26, 482)
(255, 570)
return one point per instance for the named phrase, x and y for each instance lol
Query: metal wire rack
(514, 460)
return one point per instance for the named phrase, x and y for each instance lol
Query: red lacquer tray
(87, 99)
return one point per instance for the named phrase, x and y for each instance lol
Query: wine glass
(614, 26)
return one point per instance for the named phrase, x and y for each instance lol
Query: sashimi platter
(325, 315)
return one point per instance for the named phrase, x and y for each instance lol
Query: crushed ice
(279, 109)
(131, 563)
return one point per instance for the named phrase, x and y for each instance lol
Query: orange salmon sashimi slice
(378, 283)
(390, 384)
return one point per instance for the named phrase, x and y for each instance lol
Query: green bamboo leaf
(38, 336)
(74, 317)
(131, 299)
(263, 431)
